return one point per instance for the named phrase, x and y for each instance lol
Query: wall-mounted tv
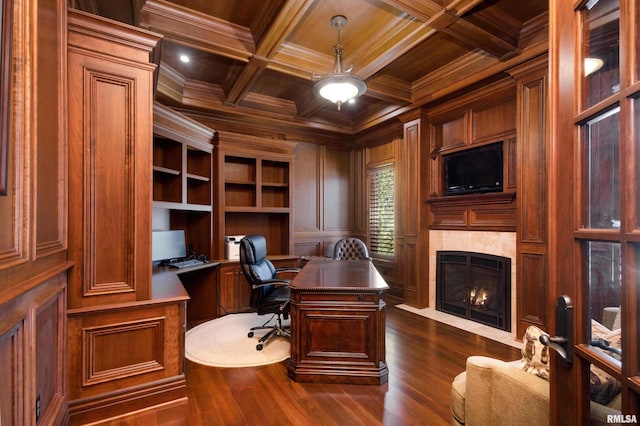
(474, 170)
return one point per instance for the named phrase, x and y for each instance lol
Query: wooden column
(532, 208)
(412, 239)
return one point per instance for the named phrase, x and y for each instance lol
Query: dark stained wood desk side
(338, 323)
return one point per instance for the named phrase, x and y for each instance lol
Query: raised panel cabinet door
(110, 191)
(227, 299)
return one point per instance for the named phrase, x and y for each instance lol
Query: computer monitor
(168, 245)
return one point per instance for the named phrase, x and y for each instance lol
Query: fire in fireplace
(475, 286)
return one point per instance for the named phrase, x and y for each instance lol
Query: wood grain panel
(533, 185)
(454, 132)
(499, 218)
(50, 211)
(32, 345)
(343, 336)
(450, 218)
(110, 136)
(492, 212)
(15, 225)
(408, 278)
(494, 121)
(14, 357)
(144, 352)
(532, 290)
(50, 336)
(307, 176)
(380, 154)
(308, 248)
(108, 176)
(408, 169)
(123, 348)
(337, 193)
(533, 210)
(511, 164)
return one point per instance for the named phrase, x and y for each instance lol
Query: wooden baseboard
(165, 395)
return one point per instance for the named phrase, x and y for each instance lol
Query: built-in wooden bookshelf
(254, 190)
(183, 175)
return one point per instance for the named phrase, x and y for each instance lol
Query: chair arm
(274, 281)
(498, 393)
(291, 269)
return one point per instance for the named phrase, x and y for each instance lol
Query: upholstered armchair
(499, 393)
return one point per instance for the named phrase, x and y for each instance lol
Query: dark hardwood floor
(423, 357)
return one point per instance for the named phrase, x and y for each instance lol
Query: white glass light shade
(340, 88)
(592, 65)
(341, 85)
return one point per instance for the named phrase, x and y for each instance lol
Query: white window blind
(381, 210)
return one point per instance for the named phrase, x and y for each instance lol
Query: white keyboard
(186, 263)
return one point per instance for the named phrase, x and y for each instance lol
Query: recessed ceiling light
(184, 58)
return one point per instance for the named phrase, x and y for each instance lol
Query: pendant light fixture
(340, 85)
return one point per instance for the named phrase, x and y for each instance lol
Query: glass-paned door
(606, 234)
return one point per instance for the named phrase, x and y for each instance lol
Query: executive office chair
(351, 249)
(269, 294)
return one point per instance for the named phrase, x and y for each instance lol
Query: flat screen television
(474, 170)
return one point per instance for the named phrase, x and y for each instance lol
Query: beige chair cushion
(457, 398)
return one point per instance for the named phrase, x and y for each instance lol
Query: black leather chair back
(256, 267)
(351, 249)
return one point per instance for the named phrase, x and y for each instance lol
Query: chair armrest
(278, 270)
(274, 281)
(498, 393)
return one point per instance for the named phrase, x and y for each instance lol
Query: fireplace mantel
(487, 212)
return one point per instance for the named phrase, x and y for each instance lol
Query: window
(381, 210)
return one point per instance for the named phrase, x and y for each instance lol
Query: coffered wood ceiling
(253, 60)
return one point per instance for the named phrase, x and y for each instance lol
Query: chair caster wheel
(250, 334)
(258, 347)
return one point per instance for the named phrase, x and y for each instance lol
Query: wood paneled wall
(33, 213)
(480, 117)
(324, 197)
(533, 211)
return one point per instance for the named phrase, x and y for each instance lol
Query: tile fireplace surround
(496, 243)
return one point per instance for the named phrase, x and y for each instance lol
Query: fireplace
(475, 286)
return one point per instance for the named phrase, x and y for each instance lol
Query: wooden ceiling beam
(285, 23)
(382, 51)
(198, 30)
(450, 21)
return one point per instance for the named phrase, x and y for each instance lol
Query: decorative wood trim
(173, 125)
(98, 341)
(6, 78)
(486, 212)
(15, 238)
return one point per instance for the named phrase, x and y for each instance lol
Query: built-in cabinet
(183, 178)
(111, 302)
(254, 191)
(478, 118)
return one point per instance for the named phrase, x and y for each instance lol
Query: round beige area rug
(223, 342)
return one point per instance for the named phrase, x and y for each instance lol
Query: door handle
(563, 342)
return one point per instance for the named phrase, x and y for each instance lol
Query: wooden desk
(338, 323)
(200, 284)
